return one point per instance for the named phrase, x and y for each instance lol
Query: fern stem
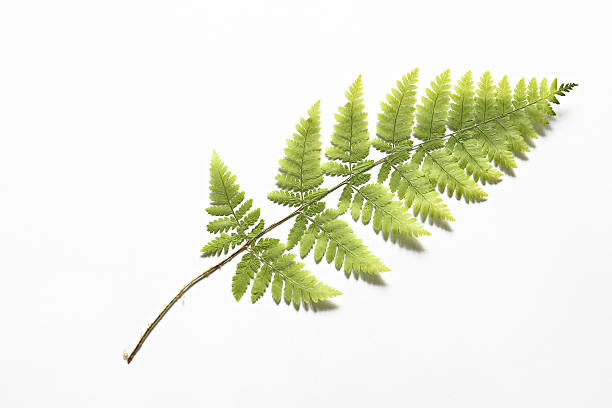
(296, 212)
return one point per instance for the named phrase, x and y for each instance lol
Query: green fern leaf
(258, 229)
(286, 198)
(432, 113)
(273, 250)
(277, 288)
(314, 209)
(307, 242)
(389, 216)
(226, 199)
(261, 282)
(412, 185)
(300, 169)
(348, 250)
(250, 219)
(461, 114)
(245, 272)
(222, 225)
(221, 244)
(335, 169)
(394, 125)
(350, 142)
(320, 247)
(299, 285)
(442, 169)
(286, 276)
(297, 231)
(383, 173)
(345, 199)
(469, 156)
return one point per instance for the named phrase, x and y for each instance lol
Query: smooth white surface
(109, 112)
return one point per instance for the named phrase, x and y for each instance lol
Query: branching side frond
(350, 140)
(333, 238)
(269, 262)
(374, 202)
(227, 203)
(394, 126)
(300, 169)
(413, 186)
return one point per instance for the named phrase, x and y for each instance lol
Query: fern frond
(226, 199)
(222, 225)
(286, 198)
(300, 169)
(489, 125)
(394, 125)
(412, 185)
(297, 231)
(469, 155)
(432, 113)
(388, 215)
(245, 272)
(461, 114)
(350, 141)
(444, 171)
(287, 276)
(335, 169)
(299, 284)
(221, 244)
(342, 246)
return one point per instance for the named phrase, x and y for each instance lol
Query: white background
(109, 112)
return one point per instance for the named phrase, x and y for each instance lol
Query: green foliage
(227, 202)
(300, 169)
(337, 241)
(413, 186)
(269, 262)
(433, 112)
(374, 202)
(265, 260)
(465, 149)
(350, 141)
(394, 125)
(491, 125)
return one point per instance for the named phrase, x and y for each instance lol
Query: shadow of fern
(523, 155)
(530, 142)
(371, 279)
(405, 242)
(508, 171)
(442, 224)
(543, 130)
(320, 306)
